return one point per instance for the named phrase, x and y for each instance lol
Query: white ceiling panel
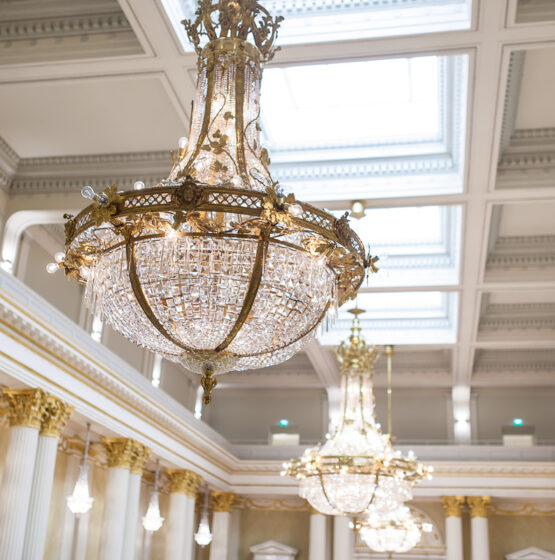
(89, 116)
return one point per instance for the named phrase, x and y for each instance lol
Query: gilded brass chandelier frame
(139, 215)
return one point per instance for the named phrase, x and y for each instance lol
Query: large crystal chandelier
(80, 501)
(357, 467)
(216, 266)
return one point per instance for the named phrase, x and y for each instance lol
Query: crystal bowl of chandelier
(392, 531)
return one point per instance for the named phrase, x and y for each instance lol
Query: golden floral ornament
(120, 452)
(215, 267)
(183, 481)
(452, 505)
(222, 501)
(479, 505)
(56, 413)
(25, 407)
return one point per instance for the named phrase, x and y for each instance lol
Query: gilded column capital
(479, 505)
(183, 481)
(55, 416)
(452, 505)
(119, 452)
(25, 407)
(222, 501)
(140, 455)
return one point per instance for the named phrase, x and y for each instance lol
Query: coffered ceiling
(438, 115)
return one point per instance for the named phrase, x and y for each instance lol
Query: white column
(55, 415)
(453, 526)
(119, 452)
(222, 503)
(317, 549)
(479, 537)
(140, 454)
(343, 539)
(24, 415)
(181, 514)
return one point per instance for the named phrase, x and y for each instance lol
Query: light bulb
(60, 256)
(295, 210)
(182, 142)
(51, 268)
(84, 272)
(88, 192)
(138, 185)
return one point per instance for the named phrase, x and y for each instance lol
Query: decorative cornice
(55, 416)
(479, 505)
(25, 407)
(452, 505)
(222, 501)
(183, 481)
(120, 452)
(63, 26)
(523, 252)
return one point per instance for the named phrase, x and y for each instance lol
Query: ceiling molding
(512, 97)
(29, 33)
(521, 254)
(9, 161)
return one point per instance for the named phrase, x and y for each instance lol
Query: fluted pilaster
(25, 411)
(181, 515)
(55, 415)
(453, 526)
(317, 549)
(120, 455)
(140, 455)
(479, 533)
(222, 503)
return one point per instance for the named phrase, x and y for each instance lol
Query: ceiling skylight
(367, 129)
(352, 104)
(400, 318)
(337, 20)
(417, 246)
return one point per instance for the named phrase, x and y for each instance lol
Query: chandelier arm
(239, 118)
(141, 298)
(323, 486)
(252, 290)
(206, 123)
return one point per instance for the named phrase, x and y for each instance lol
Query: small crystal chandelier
(152, 520)
(80, 501)
(357, 467)
(394, 531)
(203, 537)
(216, 267)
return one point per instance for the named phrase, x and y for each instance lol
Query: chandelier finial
(234, 19)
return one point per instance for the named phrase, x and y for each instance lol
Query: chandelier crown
(354, 354)
(234, 19)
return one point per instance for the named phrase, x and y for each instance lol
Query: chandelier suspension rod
(389, 353)
(87, 444)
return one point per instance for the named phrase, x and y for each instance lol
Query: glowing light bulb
(59, 257)
(182, 142)
(138, 185)
(295, 210)
(88, 192)
(51, 268)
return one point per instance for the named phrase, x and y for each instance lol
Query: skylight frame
(363, 19)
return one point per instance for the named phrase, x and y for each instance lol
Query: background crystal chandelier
(357, 467)
(152, 520)
(80, 501)
(203, 536)
(216, 267)
(394, 531)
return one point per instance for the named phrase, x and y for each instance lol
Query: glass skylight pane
(415, 230)
(355, 103)
(318, 21)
